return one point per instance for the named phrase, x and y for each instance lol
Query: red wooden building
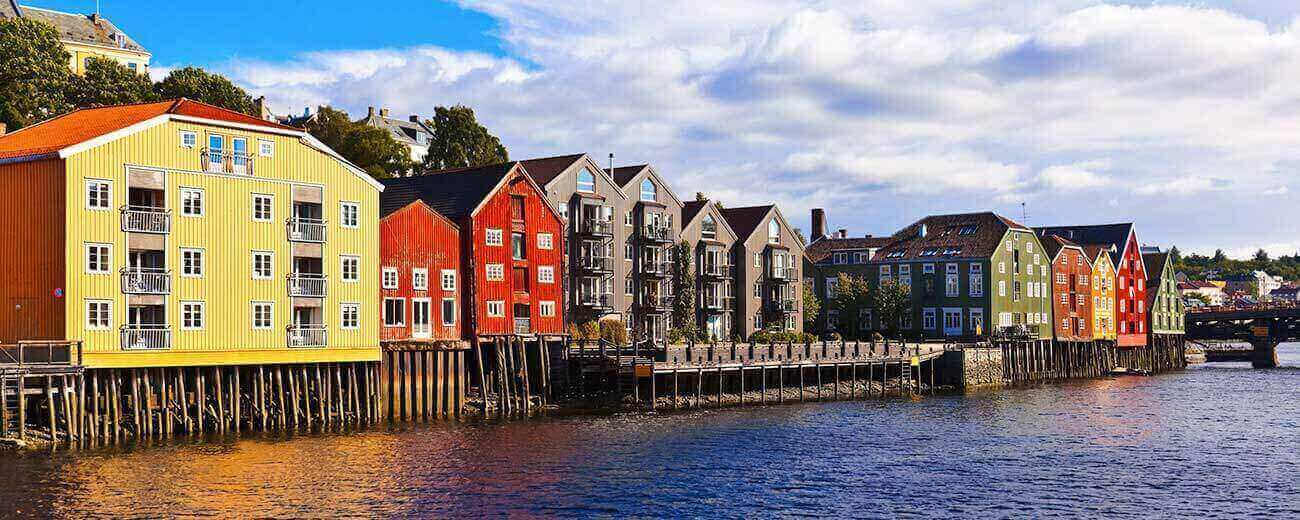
(420, 278)
(1071, 289)
(511, 245)
(1121, 243)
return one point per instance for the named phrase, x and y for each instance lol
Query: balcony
(656, 303)
(305, 230)
(146, 337)
(596, 264)
(782, 274)
(783, 305)
(655, 268)
(146, 219)
(220, 161)
(715, 271)
(714, 304)
(596, 301)
(523, 326)
(146, 280)
(657, 233)
(305, 285)
(595, 227)
(310, 335)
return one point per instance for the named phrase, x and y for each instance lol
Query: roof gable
(696, 209)
(1115, 235)
(964, 235)
(419, 205)
(746, 221)
(626, 176)
(822, 248)
(455, 193)
(546, 170)
(90, 29)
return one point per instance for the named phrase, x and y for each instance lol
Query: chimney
(3, 127)
(844, 233)
(818, 223)
(415, 118)
(370, 112)
(383, 112)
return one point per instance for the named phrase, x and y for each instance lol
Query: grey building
(768, 257)
(410, 132)
(594, 207)
(652, 220)
(712, 243)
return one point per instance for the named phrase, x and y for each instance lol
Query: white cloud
(881, 110)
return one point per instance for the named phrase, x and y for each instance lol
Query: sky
(1180, 116)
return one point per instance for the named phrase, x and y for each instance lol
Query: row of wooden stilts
(111, 406)
(765, 379)
(514, 374)
(424, 385)
(1048, 360)
(1162, 353)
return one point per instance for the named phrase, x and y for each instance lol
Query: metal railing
(782, 273)
(715, 270)
(523, 326)
(146, 280)
(593, 226)
(657, 301)
(307, 285)
(146, 219)
(655, 267)
(305, 229)
(596, 263)
(221, 161)
(599, 301)
(659, 233)
(717, 303)
(306, 335)
(146, 337)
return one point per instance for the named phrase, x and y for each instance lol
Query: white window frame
(186, 307)
(494, 272)
(545, 241)
(270, 207)
(447, 279)
(270, 315)
(265, 148)
(389, 273)
(202, 200)
(493, 237)
(499, 305)
(343, 268)
(355, 309)
(353, 220)
(545, 274)
(106, 258)
(442, 310)
(384, 318)
(417, 274)
(197, 253)
(929, 319)
(270, 255)
(193, 138)
(546, 309)
(106, 204)
(106, 316)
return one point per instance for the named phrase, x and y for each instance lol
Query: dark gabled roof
(821, 249)
(692, 209)
(1053, 244)
(1094, 251)
(82, 28)
(545, 169)
(964, 235)
(1155, 268)
(745, 220)
(1115, 235)
(624, 174)
(402, 130)
(453, 193)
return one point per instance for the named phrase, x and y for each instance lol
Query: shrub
(613, 331)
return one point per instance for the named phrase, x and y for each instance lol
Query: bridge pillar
(1264, 354)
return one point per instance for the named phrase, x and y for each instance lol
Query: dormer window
(967, 230)
(895, 254)
(586, 181)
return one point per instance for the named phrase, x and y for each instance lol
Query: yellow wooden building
(85, 36)
(181, 234)
(1103, 293)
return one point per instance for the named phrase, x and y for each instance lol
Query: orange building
(1071, 289)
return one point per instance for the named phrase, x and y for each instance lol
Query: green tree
(852, 295)
(891, 300)
(1261, 256)
(1175, 256)
(1219, 257)
(812, 308)
(460, 141)
(683, 278)
(200, 85)
(107, 82)
(34, 73)
(370, 148)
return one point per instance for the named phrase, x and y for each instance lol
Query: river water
(1218, 440)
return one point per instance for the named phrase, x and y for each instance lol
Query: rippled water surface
(1215, 441)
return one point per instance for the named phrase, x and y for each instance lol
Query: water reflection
(1220, 438)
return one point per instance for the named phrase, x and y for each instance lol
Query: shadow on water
(1217, 440)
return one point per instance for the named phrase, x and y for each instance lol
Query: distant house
(1211, 291)
(84, 36)
(1257, 284)
(1286, 293)
(829, 256)
(410, 132)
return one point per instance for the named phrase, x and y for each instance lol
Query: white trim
(312, 142)
(252, 315)
(383, 278)
(107, 260)
(271, 209)
(85, 193)
(252, 257)
(343, 222)
(383, 318)
(444, 321)
(442, 278)
(261, 142)
(113, 136)
(202, 264)
(343, 316)
(203, 318)
(190, 133)
(343, 272)
(234, 125)
(203, 202)
(90, 326)
(415, 272)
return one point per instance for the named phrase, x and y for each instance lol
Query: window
(864, 319)
(99, 194)
(420, 279)
(390, 277)
(262, 312)
(496, 309)
(351, 268)
(831, 285)
(546, 309)
(627, 219)
(350, 316)
(262, 205)
(709, 227)
(627, 286)
(953, 286)
(977, 320)
(1002, 287)
(1002, 268)
(758, 261)
(517, 207)
(495, 272)
(647, 190)
(98, 258)
(99, 314)
(586, 181)
(627, 252)
(563, 208)
(349, 214)
(191, 315)
(262, 265)
(518, 247)
(394, 312)
(976, 284)
(493, 237)
(265, 148)
(448, 280)
(545, 241)
(905, 322)
(189, 139)
(191, 262)
(545, 274)
(832, 319)
(928, 321)
(773, 232)
(192, 202)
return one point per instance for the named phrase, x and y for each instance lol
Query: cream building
(85, 36)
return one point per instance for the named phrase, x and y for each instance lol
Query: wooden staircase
(9, 425)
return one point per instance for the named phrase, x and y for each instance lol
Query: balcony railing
(657, 233)
(523, 326)
(307, 285)
(599, 264)
(595, 227)
(655, 268)
(782, 273)
(146, 219)
(146, 337)
(305, 230)
(146, 280)
(307, 335)
(715, 270)
(596, 301)
(716, 303)
(220, 161)
(657, 301)
(783, 305)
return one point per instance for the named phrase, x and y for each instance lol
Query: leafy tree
(812, 307)
(200, 85)
(798, 233)
(852, 295)
(1219, 257)
(34, 73)
(107, 82)
(891, 299)
(1261, 256)
(1175, 255)
(370, 148)
(684, 283)
(460, 141)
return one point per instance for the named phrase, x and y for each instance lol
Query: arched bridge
(1262, 326)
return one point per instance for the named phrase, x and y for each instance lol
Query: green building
(1165, 308)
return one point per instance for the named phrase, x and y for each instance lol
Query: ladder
(9, 403)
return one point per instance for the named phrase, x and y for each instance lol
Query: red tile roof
(822, 248)
(82, 125)
(966, 235)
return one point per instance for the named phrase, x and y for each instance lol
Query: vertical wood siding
(32, 265)
(1128, 294)
(1103, 293)
(417, 237)
(1070, 262)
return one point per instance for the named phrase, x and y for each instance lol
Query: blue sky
(1181, 116)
